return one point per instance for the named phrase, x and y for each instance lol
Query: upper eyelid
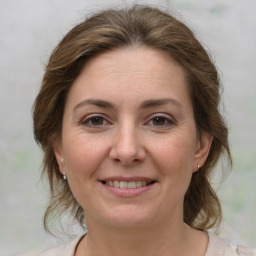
(108, 119)
(93, 115)
(163, 115)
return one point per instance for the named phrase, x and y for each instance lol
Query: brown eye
(159, 121)
(97, 120)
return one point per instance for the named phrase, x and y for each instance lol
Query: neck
(168, 239)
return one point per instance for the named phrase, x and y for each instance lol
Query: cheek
(178, 151)
(83, 155)
(83, 158)
(175, 159)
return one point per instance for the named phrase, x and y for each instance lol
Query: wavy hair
(132, 27)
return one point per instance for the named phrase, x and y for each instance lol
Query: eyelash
(88, 121)
(167, 121)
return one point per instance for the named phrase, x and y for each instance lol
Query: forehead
(127, 73)
(134, 60)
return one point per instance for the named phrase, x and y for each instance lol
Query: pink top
(217, 247)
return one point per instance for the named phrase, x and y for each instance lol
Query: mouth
(128, 187)
(127, 184)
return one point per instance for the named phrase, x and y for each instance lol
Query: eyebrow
(159, 102)
(146, 104)
(96, 102)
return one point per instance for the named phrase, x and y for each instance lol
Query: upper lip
(127, 179)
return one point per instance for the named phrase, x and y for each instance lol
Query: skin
(132, 135)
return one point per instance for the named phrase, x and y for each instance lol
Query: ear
(59, 154)
(202, 151)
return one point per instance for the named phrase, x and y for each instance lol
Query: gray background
(29, 29)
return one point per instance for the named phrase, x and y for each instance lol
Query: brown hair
(132, 27)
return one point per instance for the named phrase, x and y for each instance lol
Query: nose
(127, 147)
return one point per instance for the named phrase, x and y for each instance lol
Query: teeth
(138, 184)
(116, 184)
(144, 183)
(125, 184)
(131, 184)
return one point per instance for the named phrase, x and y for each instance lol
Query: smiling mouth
(127, 184)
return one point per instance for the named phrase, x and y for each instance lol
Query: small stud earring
(198, 167)
(64, 176)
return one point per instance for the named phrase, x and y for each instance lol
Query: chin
(128, 218)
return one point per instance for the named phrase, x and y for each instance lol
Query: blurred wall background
(30, 29)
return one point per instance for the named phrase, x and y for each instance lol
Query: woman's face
(129, 142)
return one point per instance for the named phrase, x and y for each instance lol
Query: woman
(128, 120)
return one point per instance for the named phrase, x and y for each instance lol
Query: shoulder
(220, 247)
(239, 250)
(67, 249)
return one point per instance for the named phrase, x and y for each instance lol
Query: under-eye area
(127, 184)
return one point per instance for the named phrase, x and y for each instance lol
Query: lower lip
(128, 192)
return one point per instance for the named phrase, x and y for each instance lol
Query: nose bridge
(128, 138)
(128, 146)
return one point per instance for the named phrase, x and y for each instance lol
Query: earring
(64, 176)
(198, 167)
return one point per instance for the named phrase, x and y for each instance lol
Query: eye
(161, 121)
(95, 121)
